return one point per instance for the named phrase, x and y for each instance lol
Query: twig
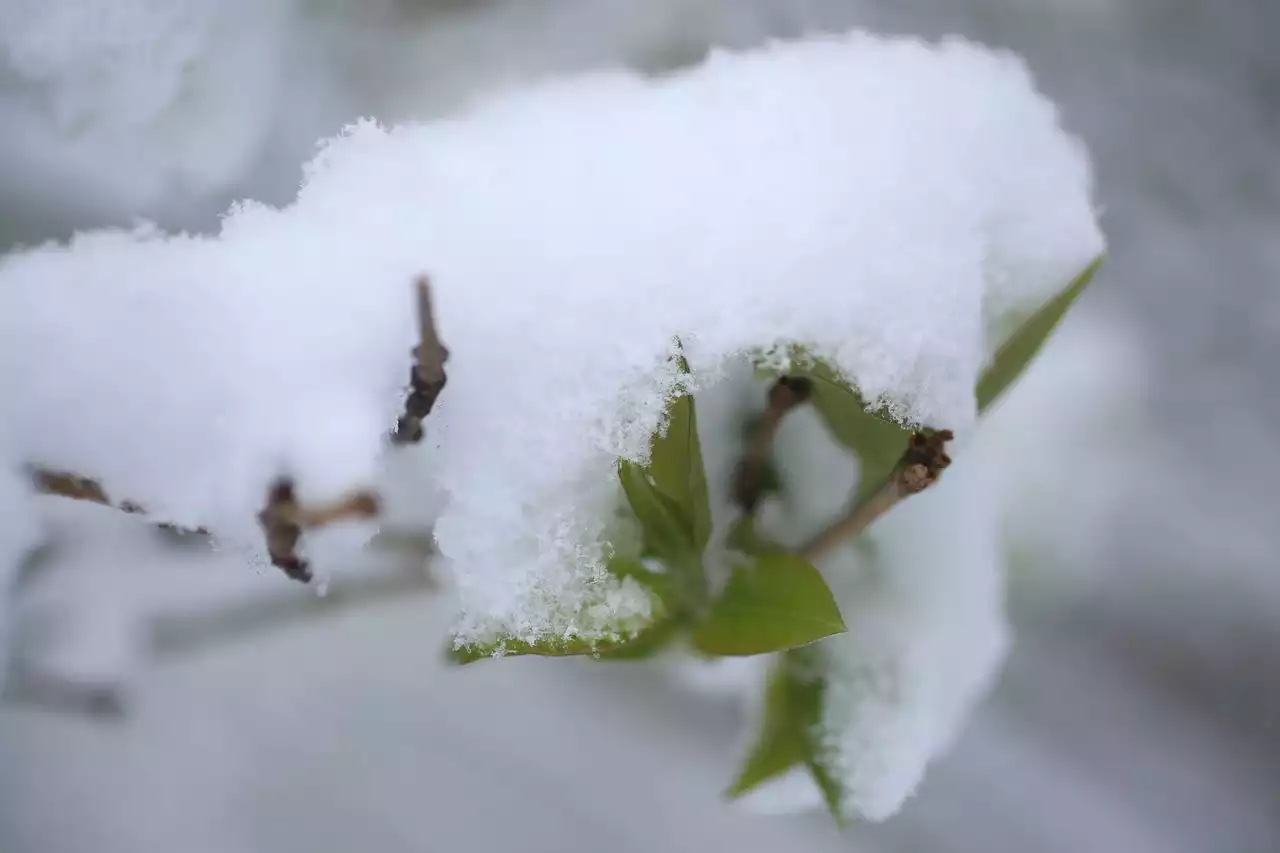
(251, 616)
(49, 692)
(67, 485)
(748, 477)
(920, 466)
(427, 377)
(283, 520)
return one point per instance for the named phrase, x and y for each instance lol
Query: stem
(283, 519)
(918, 469)
(427, 377)
(784, 396)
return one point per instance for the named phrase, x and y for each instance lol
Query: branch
(427, 377)
(47, 692)
(919, 468)
(748, 477)
(283, 520)
(239, 620)
(64, 484)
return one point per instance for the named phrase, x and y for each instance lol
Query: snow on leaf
(764, 199)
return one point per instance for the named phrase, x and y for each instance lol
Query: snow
(923, 594)
(573, 232)
(926, 637)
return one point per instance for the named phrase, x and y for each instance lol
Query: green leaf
(790, 708)
(776, 602)
(794, 695)
(676, 468)
(642, 644)
(668, 617)
(1022, 346)
(647, 643)
(830, 789)
(569, 647)
(877, 440)
(667, 532)
(873, 436)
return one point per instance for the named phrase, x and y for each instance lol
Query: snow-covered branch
(889, 208)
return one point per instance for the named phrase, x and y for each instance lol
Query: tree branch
(283, 520)
(918, 469)
(427, 377)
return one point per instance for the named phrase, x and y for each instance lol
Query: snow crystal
(875, 200)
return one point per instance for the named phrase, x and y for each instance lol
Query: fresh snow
(880, 201)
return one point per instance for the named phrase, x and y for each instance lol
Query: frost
(879, 201)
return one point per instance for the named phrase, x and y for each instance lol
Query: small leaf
(776, 602)
(667, 532)
(789, 729)
(647, 643)
(830, 789)
(650, 639)
(874, 437)
(668, 611)
(570, 647)
(877, 440)
(784, 740)
(1021, 347)
(676, 466)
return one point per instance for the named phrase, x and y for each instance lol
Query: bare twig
(427, 377)
(748, 477)
(50, 692)
(249, 617)
(67, 485)
(920, 466)
(283, 520)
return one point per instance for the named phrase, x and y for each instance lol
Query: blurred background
(195, 705)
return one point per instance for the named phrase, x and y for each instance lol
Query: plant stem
(919, 468)
(784, 396)
(427, 377)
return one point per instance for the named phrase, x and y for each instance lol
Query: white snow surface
(878, 200)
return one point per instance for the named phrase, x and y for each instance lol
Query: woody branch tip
(919, 468)
(427, 377)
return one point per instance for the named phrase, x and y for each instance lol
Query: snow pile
(874, 200)
(926, 637)
(923, 592)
